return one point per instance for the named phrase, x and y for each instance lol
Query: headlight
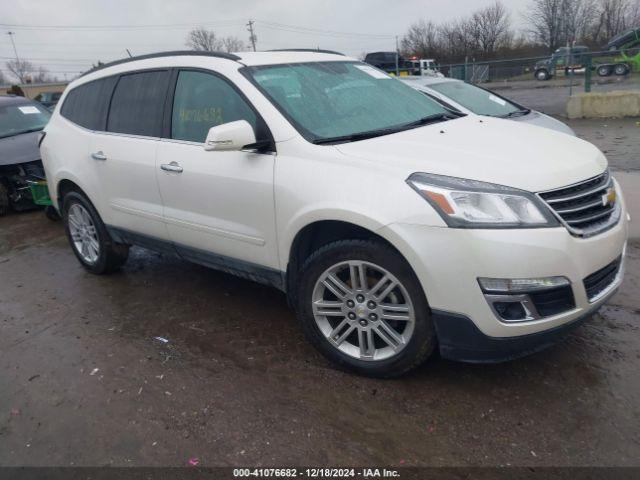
(464, 203)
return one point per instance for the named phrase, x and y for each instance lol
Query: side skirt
(239, 268)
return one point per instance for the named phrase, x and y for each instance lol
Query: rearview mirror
(232, 136)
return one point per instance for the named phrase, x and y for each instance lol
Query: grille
(553, 301)
(598, 282)
(585, 208)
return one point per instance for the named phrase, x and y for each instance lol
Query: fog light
(519, 285)
(510, 310)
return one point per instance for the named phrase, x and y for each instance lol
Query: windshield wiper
(31, 130)
(355, 136)
(517, 113)
(438, 117)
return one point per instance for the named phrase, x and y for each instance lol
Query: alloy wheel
(363, 310)
(83, 233)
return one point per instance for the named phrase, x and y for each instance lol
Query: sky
(67, 36)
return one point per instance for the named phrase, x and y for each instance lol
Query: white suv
(394, 226)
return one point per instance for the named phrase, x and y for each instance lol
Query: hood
(545, 121)
(19, 149)
(542, 63)
(487, 149)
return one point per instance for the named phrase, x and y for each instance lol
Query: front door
(218, 206)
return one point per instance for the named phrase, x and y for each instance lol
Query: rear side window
(203, 101)
(138, 103)
(87, 104)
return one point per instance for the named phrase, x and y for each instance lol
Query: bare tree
(577, 17)
(41, 75)
(554, 23)
(422, 40)
(2, 80)
(232, 44)
(20, 69)
(614, 17)
(492, 28)
(206, 40)
(202, 39)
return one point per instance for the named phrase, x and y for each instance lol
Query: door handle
(171, 167)
(99, 156)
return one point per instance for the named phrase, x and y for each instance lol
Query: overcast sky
(46, 31)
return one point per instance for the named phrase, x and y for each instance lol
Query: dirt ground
(85, 381)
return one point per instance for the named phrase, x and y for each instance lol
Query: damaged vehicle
(21, 121)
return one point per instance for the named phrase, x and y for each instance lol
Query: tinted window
(87, 104)
(333, 99)
(203, 101)
(138, 103)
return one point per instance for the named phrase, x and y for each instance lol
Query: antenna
(130, 56)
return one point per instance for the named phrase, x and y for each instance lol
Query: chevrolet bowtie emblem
(609, 198)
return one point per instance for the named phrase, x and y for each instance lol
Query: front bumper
(459, 339)
(449, 261)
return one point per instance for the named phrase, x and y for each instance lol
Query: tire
(105, 256)
(542, 75)
(604, 70)
(5, 204)
(620, 69)
(379, 357)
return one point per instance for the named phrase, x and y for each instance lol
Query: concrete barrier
(604, 105)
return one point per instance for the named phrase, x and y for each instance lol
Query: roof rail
(228, 56)
(311, 50)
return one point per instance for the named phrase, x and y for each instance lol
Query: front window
(344, 101)
(16, 119)
(478, 100)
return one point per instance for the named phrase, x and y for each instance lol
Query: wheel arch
(320, 232)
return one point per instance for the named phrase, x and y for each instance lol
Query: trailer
(577, 58)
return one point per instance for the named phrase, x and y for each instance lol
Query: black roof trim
(311, 50)
(228, 56)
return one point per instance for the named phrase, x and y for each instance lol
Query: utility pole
(397, 57)
(252, 35)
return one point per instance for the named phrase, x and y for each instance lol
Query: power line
(227, 23)
(316, 31)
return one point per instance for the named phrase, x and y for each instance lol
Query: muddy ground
(84, 381)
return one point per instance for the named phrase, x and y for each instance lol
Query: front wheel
(542, 75)
(362, 306)
(89, 238)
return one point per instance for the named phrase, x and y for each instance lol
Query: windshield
(478, 100)
(22, 118)
(334, 100)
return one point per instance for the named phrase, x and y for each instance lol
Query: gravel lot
(84, 381)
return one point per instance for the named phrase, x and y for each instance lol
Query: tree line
(489, 32)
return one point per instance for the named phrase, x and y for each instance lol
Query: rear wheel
(604, 70)
(621, 69)
(89, 238)
(362, 306)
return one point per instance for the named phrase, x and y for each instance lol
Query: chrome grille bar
(585, 208)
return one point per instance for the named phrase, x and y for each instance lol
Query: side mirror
(232, 136)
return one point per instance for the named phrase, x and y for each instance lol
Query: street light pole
(11, 34)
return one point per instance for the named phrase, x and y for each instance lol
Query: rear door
(218, 206)
(125, 154)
